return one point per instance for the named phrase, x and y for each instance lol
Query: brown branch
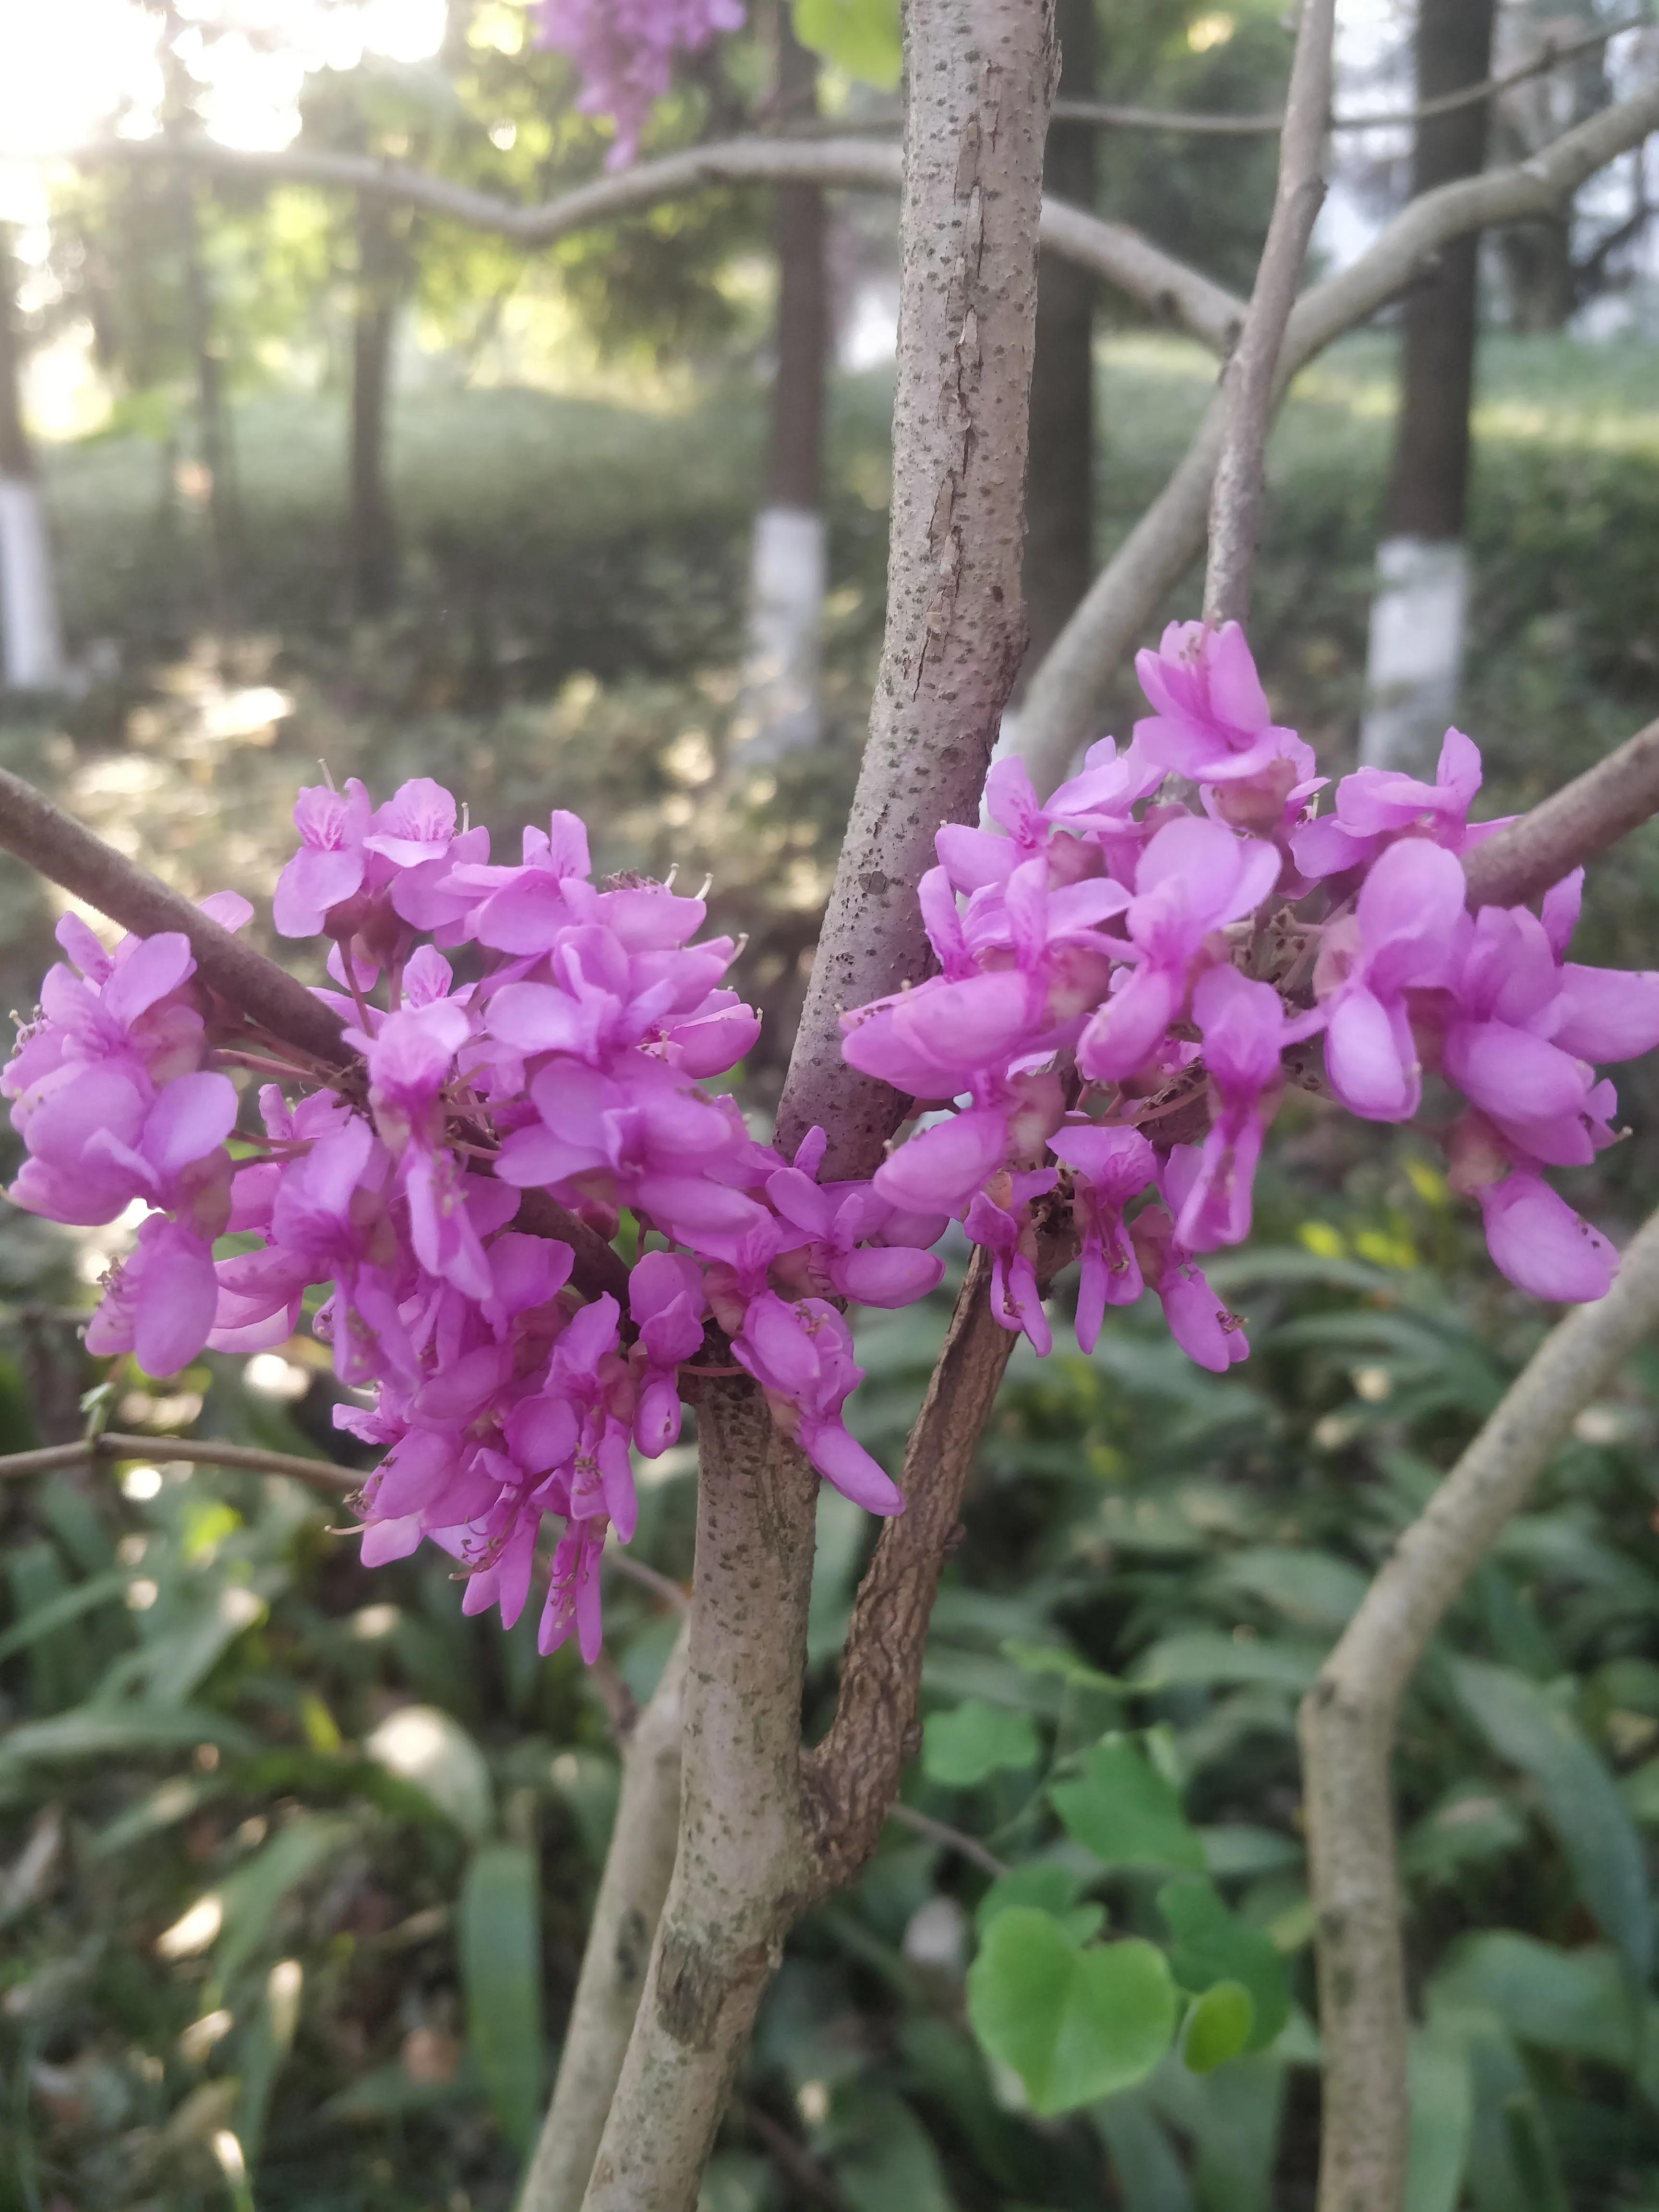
(1347, 1725)
(67, 853)
(1248, 382)
(851, 1778)
(1059, 715)
(637, 1869)
(320, 1474)
(1165, 287)
(1571, 827)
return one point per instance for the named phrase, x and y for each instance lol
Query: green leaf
(1051, 1889)
(1573, 2001)
(1313, 1588)
(249, 1899)
(1441, 2113)
(1204, 1656)
(1074, 2024)
(883, 2158)
(501, 1954)
(973, 1742)
(1149, 2174)
(1219, 2026)
(123, 1731)
(68, 1604)
(430, 1750)
(1211, 1946)
(1579, 1799)
(859, 36)
(1122, 1810)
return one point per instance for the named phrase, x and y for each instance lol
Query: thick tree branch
(1248, 380)
(1063, 701)
(956, 628)
(1120, 257)
(1571, 827)
(637, 1869)
(1347, 1725)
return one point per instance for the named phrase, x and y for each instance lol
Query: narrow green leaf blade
(501, 1953)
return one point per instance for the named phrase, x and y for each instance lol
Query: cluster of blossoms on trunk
(624, 53)
(1108, 963)
(1116, 958)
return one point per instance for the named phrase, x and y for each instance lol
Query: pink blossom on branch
(1103, 974)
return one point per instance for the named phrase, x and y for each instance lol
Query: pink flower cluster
(1113, 964)
(625, 50)
(570, 1062)
(1103, 966)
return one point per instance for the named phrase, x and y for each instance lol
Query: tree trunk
(371, 534)
(28, 600)
(218, 449)
(778, 710)
(1417, 616)
(1537, 275)
(1060, 492)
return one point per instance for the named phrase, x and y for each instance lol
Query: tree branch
(1248, 381)
(1061, 703)
(635, 1882)
(1571, 827)
(851, 1778)
(202, 1451)
(742, 1871)
(68, 853)
(1552, 55)
(1164, 286)
(1347, 1724)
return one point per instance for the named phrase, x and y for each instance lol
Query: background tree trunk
(1059, 492)
(218, 447)
(34, 649)
(371, 533)
(1416, 649)
(779, 711)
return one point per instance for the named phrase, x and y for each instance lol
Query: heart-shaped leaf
(1123, 1810)
(1074, 2023)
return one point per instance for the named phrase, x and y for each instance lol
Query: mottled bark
(742, 1868)
(979, 83)
(637, 1869)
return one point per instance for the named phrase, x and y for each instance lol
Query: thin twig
(1347, 1726)
(1062, 702)
(663, 1588)
(320, 1474)
(796, 2160)
(1248, 385)
(1552, 55)
(954, 1839)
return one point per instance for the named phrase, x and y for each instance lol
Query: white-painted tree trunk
(778, 711)
(28, 596)
(1415, 659)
